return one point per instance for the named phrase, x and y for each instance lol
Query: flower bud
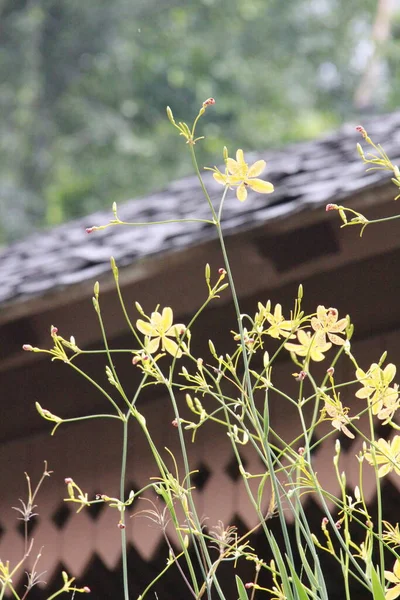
(361, 130)
(27, 348)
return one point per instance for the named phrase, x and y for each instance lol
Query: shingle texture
(306, 176)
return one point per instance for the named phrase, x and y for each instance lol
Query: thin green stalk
(378, 498)
(192, 506)
(122, 497)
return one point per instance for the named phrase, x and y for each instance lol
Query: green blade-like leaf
(301, 593)
(241, 589)
(378, 591)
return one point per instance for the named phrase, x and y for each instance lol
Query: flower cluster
(382, 397)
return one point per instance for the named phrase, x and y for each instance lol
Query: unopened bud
(324, 521)
(68, 480)
(90, 229)
(301, 376)
(121, 525)
(301, 451)
(208, 102)
(53, 330)
(175, 423)
(331, 207)
(87, 589)
(27, 348)
(249, 585)
(330, 371)
(222, 271)
(361, 130)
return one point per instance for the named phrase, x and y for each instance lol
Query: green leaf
(241, 589)
(281, 568)
(378, 591)
(299, 587)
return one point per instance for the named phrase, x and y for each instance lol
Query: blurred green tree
(84, 86)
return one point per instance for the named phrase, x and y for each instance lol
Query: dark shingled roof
(305, 175)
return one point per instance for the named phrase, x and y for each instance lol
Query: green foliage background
(84, 85)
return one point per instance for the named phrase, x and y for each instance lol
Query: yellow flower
(337, 413)
(239, 174)
(391, 534)
(387, 454)
(376, 388)
(279, 326)
(326, 324)
(394, 577)
(308, 346)
(160, 328)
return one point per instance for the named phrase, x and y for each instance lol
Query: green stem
(122, 497)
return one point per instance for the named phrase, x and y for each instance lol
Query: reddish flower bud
(301, 451)
(301, 376)
(175, 423)
(325, 521)
(209, 102)
(222, 271)
(121, 525)
(54, 331)
(338, 524)
(68, 480)
(249, 585)
(90, 229)
(330, 371)
(27, 348)
(331, 207)
(361, 130)
(87, 589)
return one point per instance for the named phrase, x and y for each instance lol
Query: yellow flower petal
(220, 178)
(257, 168)
(240, 157)
(241, 192)
(232, 166)
(155, 320)
(335, 339)
(261, 186)
(152, 345)
(393, 593)
(171, 347)
(167, 318)
(145, 327)
(176, 330)
(389, 372)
